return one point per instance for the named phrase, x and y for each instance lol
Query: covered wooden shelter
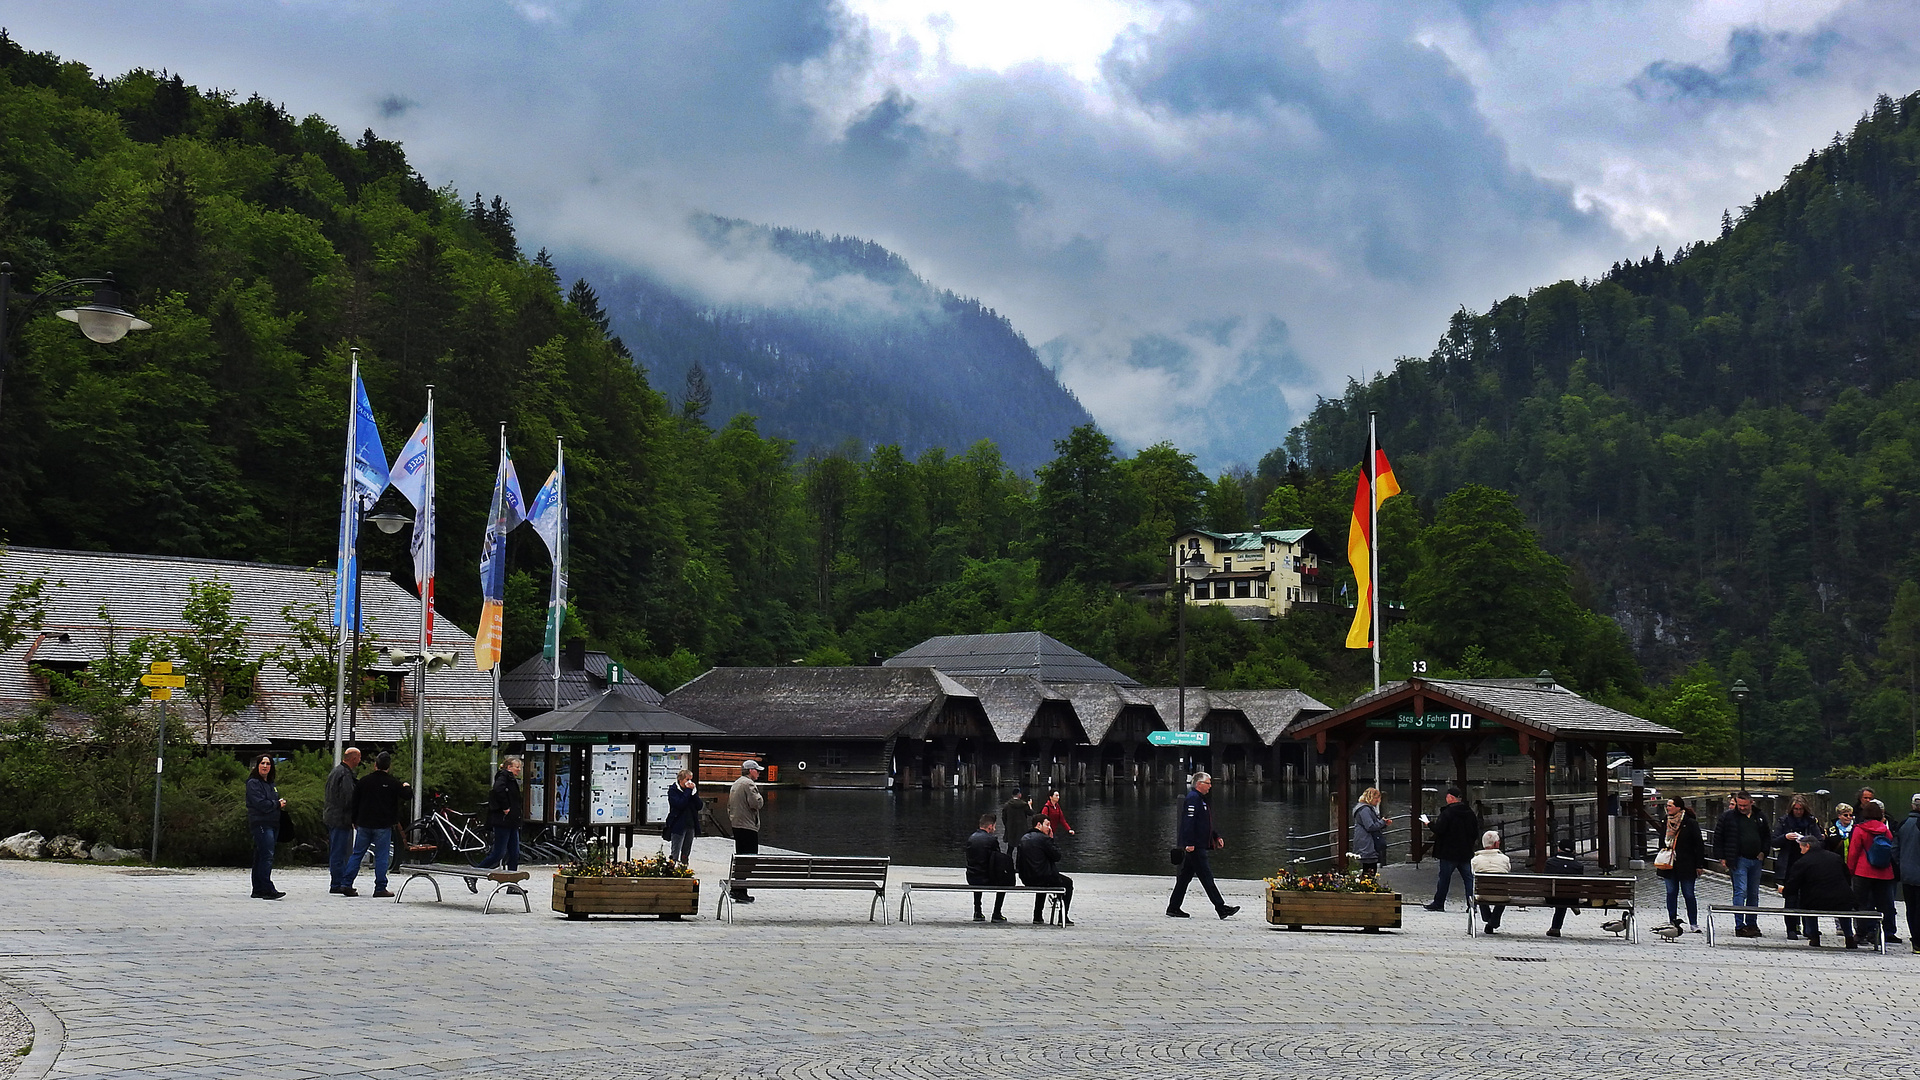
(1461, 714)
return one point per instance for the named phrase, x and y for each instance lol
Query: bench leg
(1470, 910)
(906, 905)
(411, 878)
(723, 909)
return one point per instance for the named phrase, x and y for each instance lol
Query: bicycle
(556, 843)
(453, 831)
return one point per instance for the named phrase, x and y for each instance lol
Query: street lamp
(1738, 692)
(97, 311)
(1191, 570)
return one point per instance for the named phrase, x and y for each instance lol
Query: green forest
(1691, 471)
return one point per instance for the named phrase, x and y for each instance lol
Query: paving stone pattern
(186, 976)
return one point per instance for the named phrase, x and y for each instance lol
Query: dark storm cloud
(1755, 63)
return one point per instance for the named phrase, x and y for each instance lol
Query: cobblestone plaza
(127, 974)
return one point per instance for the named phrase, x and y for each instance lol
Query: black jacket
(683, 810)
(1016, 817)
(1689, 851)
(1726, 835)
(263, 802)
(1456, 833)
(503, 802)
(1038, 859)
(376, 800)
(1196, 823)
(982, 846)
(1819, 881)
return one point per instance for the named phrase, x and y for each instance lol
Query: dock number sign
(1433, 721)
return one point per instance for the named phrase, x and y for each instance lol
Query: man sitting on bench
(983, 856)
(1819, 881)
(1039, 864)
(1562, 862)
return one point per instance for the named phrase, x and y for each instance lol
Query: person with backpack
(1871, 857)
(1908, 842)
(988, 865)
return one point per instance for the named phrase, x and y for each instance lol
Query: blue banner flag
(361, 487)
(508, 511)
(548, 516)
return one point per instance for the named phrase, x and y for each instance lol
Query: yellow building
(1257, 575)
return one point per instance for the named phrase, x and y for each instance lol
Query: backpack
(1000, 869)
(1880, 853)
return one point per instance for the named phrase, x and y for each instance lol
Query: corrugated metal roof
(1026, 653)
(528, 688)
(144, 595)
(614, 713)
(819, 702)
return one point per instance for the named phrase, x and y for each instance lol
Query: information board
(1433, 721)
(612, 784)
(663, 766)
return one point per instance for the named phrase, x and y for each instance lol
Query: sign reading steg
(1433, 721)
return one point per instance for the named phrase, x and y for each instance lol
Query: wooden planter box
(668, 898)
(1369, 911)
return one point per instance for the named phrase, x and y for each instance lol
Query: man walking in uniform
(1197, 838)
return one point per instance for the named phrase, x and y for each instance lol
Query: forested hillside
(898, 362)
(1724, 443)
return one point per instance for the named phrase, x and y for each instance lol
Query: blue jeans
(1447, 870)
(1676, 885)
(264, 837)
(339, 848)
(680, 848)
(381, 840)
(506, 848)
(1746, 888)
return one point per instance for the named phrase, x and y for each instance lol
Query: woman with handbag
(1682, 859)
(683, 817)
(264, 808)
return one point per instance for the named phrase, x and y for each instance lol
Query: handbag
(1177, 855)
(1000, 869)
(285, 832)
(1664, 860)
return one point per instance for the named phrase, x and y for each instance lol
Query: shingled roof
(1269, 711)
(1019, 705)
(823, 702)
(1100, 705)
(1027, 653)
(1553, 710)
(145, 594)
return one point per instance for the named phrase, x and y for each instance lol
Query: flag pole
(423, 535)
(493, 746)
(349, 522)
(560, 544)
(1373, 560)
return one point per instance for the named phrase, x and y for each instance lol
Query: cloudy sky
(1204, 214)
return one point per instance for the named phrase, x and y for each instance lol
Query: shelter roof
(822, 702)
(615, 714)
(1026, 653)
(1552, 711)
(144, 595)
(528, 688)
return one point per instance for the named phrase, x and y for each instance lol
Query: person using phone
(683, 817)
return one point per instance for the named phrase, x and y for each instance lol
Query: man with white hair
(744, 800)
(1491, 860)
(1907, 847)
(1197, 838)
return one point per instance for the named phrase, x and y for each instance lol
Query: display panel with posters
(536, 782)
(663, 767)
(612, 784)
(563, 786)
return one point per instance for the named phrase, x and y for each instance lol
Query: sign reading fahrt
(1433, 721)
(1178, 738)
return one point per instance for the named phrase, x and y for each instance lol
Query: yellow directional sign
(161, 667)
(162, 693)
(177, 682)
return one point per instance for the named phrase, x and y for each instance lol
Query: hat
(749, 765)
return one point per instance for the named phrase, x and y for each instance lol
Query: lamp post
(1190, 570)
(97, 311)
(1738, 692)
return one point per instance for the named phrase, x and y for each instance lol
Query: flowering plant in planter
(1327, 881)
(596, 864)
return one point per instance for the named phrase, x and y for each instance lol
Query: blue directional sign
(1178, 738)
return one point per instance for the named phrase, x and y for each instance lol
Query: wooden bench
(1879, 939)
(858, 873)
(507, 881)
(1054, 894)
(1543, 890)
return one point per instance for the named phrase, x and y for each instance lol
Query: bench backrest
(1496, 887)
(810, 867)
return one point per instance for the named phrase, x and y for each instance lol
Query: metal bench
(1544, 890)
(1054, 894)
(1879, 939)
(858, 873)
(507, 881)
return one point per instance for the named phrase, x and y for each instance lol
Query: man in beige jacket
(744, 800)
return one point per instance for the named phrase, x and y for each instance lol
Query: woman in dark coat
(263, 821)
(683, 817)
(1689, 860)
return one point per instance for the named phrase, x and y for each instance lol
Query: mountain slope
(869, 353)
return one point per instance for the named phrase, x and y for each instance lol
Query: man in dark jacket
(1819, 878)
(337, 815)
(1197, 839)
(376, 813)
(1038, 860)
(1562, 863)
(982, 848)
(1455, 832)
(1013, 819)
(1740, 842)
(1798, 821)
(1907, 862)
(503, 813)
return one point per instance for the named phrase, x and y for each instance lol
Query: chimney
(574, 656)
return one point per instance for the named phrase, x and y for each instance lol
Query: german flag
(1382, 486)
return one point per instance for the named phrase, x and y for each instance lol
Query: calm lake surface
(1124, 829)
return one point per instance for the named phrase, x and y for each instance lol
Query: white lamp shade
(104, 324)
